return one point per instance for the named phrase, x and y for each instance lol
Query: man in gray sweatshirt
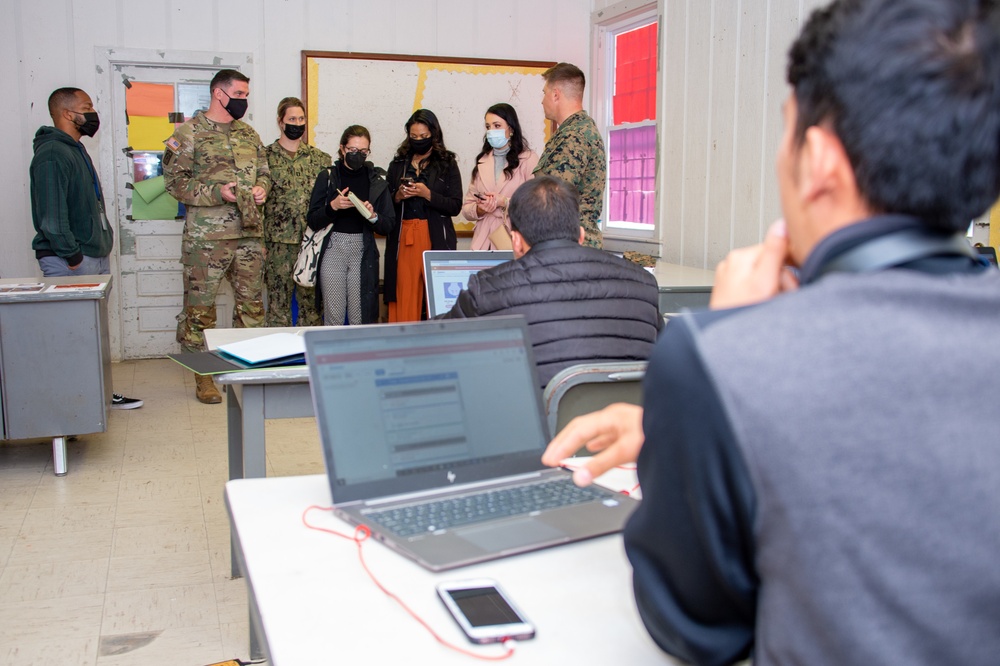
(816, 486)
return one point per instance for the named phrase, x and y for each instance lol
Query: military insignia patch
(172, 144)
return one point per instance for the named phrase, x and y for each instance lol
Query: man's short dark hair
(546, 208)
(224, 77)
(912, 90)
(568, 77)
(62, 98)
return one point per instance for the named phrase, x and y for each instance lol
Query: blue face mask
(497, 137)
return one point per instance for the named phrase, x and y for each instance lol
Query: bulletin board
(381, 91)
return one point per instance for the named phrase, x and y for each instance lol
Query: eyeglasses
(363, 151)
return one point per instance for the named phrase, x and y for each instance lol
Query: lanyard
(93, 175)
(97, 185)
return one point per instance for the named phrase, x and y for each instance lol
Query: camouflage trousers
(280, 287)
(206, 264)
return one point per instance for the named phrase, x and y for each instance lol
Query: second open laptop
(432, 436)
(446, 274)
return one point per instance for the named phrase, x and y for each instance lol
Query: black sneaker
(118, 401)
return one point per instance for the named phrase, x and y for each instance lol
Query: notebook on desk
(432, 436)
(447, 272)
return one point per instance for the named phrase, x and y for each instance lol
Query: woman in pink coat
(505, 162)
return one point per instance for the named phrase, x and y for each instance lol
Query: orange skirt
(414, 239)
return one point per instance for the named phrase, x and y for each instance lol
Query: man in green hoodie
(72, 232)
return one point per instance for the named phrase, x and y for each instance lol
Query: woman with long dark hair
(427, 191)
(504, 163)
(348, 264)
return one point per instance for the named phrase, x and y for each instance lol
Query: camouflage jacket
(575, 153)
(293, 176)
(201, 157)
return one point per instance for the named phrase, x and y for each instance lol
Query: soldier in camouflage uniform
(294, 165)
(216, 166)
(575, 152)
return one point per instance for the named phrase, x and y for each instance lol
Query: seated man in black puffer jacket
(583, 305)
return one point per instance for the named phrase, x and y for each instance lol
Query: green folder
(151, 201)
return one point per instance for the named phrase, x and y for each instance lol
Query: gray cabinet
(55, 360)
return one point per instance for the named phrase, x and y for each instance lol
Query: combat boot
(204, 389)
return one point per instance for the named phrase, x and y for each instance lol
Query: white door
(148, 101)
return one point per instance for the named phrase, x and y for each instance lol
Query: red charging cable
(361, 534)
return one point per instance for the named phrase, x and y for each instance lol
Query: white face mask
(497, 137)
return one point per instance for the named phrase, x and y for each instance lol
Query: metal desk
(682, 287)
(253, 396)
(55, 361)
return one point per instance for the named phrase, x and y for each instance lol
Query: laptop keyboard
(430, 516)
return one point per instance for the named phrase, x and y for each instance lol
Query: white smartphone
(483, 611)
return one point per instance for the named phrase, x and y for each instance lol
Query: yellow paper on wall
(148, 132)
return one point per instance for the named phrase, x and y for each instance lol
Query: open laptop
(416, 416)
(446, 274)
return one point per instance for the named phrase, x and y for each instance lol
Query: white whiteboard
(381, 94)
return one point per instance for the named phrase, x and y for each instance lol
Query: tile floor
(125, 560)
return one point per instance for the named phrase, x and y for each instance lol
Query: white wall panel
(722, 84)
(723, 129)
(672, 111)
(15, 144)
(146, 25)
(279, 69)
(464, 38)
(698, 86)
(95, 22)
(531, 34)
(190, 25)
(750, 160)
(564, 25)
(417, 29)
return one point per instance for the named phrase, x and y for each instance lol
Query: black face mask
(237, 108)
(294, 132)
(354, 161)
(91, 123)
(421, 146)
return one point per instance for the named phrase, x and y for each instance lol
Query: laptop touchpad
(512, 535)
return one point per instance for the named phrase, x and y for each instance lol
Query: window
(626, 88)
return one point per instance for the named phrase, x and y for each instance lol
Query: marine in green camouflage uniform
(221, 239)
(575, 153)
(293, 176)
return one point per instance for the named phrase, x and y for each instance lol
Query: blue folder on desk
(267, 351)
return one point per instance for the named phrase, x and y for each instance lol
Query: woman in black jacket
(347, 284)
(427, 190)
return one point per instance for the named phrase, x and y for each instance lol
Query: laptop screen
(988, 253)
(447, 273)
(410, 407)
